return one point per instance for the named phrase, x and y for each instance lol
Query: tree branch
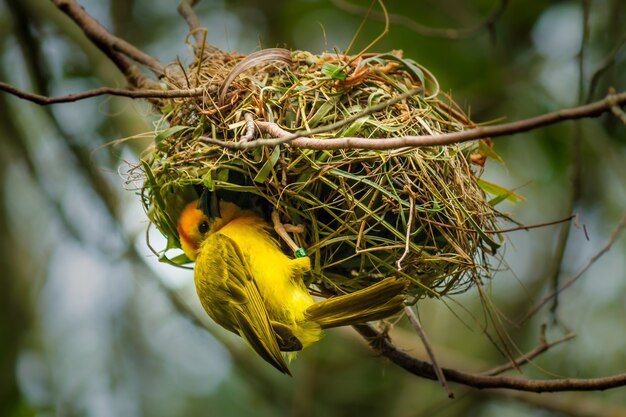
(115, 48)
(298, 139)
(185, 9)
(543, 346)
(122, 92)
(414, 320)
(607, 246)
(425, 370)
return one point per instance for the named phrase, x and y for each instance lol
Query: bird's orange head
(193, 225)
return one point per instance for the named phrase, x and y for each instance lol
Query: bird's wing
(245, 304)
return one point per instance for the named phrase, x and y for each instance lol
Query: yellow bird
(249, 286)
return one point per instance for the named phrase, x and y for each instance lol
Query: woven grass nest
(355, 205)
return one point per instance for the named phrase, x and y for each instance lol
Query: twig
(122, 92)
(620, 227)
(447, 33)
(575, 172)
(543, 346)
(608, 61)
(105, 41)
(616, 110)
(185, 8)
(271, 129)
(429, 350)
(498, 231)
(425, 370)
(297, 140)
(532, 226)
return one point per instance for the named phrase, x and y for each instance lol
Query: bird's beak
(209, 204)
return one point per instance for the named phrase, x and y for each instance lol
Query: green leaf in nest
(167, 133)
(333, 71)
(407, 64)
(265, 170)
(499, 192)
(326, 108)
(488, 151)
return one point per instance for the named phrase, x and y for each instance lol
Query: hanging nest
(358, 207)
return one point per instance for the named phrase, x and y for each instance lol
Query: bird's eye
(203, 227)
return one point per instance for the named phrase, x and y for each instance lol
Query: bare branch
(543, 346)
(122, 92)
(298, 140)
(429, 350)
(425, 370)
(531, 226)
(111, 45)
(607, 63)
(617, 111)
(185, 8)
(620, 227)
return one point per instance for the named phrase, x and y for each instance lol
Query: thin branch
(543, 346)
(620, 227)
(447, 33)
(498, 231)
(271, 129)
(122, 92)
(425, 370)
(575, 171)
(185, 8)
(429, 350)
(532, 226)
(608, 61)
(105, 41)
(617, 111)
(298, 140)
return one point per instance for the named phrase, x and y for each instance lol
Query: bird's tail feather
(375, 302)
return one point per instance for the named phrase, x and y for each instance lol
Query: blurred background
(91, 324)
